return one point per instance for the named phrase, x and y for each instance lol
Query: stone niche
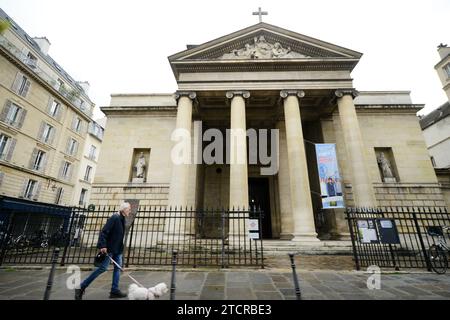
(386, 165)
(139, 165)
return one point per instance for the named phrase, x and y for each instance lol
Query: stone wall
(403, 195)
(154, 195)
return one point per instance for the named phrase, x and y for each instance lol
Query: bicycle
(438, 252)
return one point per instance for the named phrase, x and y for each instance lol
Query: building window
(7, 145)
(59, 195)
(447, 70)
(13, 114)
(66, 169)
(48, 132)
(31, 60)
(77, 124)
(3, 145)
(54, 108)
(21, 85)
(30, 190)
(83, 197)
(87, 174)
(72, 146)
(38, 160)
(92, 152)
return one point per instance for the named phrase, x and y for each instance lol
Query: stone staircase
(326, 247)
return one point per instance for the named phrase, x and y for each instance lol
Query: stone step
(278, 247)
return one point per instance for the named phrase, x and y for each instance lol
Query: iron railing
(213, 237)
(394, 237)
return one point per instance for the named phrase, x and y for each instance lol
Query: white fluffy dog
(138, 293)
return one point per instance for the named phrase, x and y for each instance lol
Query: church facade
(295, 89)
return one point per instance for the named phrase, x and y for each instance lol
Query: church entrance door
(258, 195)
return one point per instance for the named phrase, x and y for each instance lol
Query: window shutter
(17, 82)
(26, 88)
(69, 173)
(68, 145)
(52, 136)
(73, 123)
(44, 162)
(60, 174)
(40, 135)
(75, 151)
(59, 112)
(2, 174)
(24, 188)
(33, 158)
(50, 103)
(22, 115)
(37, 191)
(5, 111)
(11, 147)
(82, 128)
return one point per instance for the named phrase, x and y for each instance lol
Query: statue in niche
(385, 167)
(140, 166)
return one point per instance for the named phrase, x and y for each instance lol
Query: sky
(122, 46)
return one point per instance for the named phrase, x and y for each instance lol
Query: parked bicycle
(438, 252)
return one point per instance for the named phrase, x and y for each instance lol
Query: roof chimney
(43, 44)
(443, 50)
(85, 86)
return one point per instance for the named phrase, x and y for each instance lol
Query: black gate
(394, 237)
(218, 237)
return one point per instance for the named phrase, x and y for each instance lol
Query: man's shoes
(117, 294)
(79, 294)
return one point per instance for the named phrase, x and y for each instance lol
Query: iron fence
(211, 237)
(394, 237)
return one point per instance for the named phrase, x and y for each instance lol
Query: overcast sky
(122, 46)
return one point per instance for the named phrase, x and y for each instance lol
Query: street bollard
(294, 274)
(172, 285)
(52, 274)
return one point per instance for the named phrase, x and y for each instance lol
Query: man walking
(110, 242)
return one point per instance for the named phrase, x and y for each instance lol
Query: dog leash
(135, 281)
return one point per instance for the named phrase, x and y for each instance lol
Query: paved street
(318, 281)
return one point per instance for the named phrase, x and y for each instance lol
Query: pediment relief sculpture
(261, 49)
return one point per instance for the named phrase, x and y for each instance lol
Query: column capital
(285, 93)
(190, 94)
(245, 94)
(342, 92)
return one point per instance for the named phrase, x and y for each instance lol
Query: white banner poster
(330, 180)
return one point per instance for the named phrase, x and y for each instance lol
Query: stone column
(238, 169)
(238, 150)
(302, 213)
(177, 224)
(284, 192)
(362, 188)
(178, 194)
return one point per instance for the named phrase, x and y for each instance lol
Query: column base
(305, 237)
(286, 236)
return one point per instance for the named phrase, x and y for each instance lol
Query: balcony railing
(73, 95)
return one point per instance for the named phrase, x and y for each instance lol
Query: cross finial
(260, 14)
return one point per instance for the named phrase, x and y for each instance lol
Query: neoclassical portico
(265, 77)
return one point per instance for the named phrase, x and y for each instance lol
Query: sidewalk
(321, 277)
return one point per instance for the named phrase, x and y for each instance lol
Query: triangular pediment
(264, 42)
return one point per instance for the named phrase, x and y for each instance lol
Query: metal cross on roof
(260, 14)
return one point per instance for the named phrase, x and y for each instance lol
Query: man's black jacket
(111, 236)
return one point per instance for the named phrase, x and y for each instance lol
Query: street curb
(258, 270)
